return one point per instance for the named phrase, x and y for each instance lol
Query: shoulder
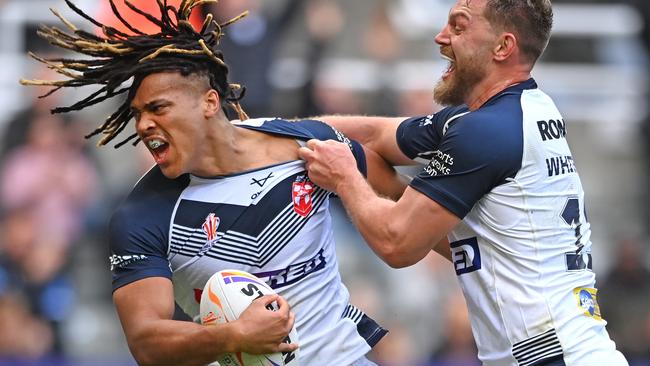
(151, 201)
(304, 129)
(490, 138)
(435, 121)
(492, 124)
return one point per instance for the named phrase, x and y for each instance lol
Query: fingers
(311, 144)
(292, 320)
(305, 153)
(282, 303)
(288, 347)
(267, 299)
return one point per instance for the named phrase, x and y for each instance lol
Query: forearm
(376, 133)
(375, 219)
(401, 232)
(181, 343)
(360, 128)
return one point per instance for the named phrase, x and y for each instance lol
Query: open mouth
(159, 149)
(451, 68)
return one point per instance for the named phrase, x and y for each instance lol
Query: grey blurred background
(302, 58)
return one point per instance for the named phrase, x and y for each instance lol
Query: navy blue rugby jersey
(272, 222)
(522, 251)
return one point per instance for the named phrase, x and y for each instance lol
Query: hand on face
(328, 163)
(262, 330)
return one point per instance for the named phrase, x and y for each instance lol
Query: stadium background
(304, 58)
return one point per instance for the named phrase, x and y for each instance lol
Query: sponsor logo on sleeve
(440, 164)
(466, 256)
(428, 120)
(121, 261)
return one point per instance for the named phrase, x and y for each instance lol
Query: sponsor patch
(466, 256)
(121, 261)
(587, 301)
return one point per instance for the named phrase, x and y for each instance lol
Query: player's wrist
(232, 336)
(350, 185)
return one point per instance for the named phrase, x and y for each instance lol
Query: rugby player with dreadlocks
(224, 194)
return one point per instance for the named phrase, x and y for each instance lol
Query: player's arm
(402, 232)
(443, 248)
(382, 177)
(145, 308)
(375, 133)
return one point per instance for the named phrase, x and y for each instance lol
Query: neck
(231, 149)
(491, 86)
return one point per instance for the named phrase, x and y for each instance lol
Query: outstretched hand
(262, 330)
(328, 163)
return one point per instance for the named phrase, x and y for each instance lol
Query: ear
(211, 103)
(505, 47)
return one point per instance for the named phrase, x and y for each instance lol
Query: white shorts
(363, 361)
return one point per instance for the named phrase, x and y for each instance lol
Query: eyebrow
(150, 105)
(459, 14)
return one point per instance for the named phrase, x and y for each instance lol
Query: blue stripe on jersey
(470, 153)
(138, 230)
(246, 235)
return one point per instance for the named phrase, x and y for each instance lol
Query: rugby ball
(225, 296)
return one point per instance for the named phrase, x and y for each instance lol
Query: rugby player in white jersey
(224, 194)
(499, 194)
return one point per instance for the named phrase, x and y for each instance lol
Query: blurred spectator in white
(420, 18)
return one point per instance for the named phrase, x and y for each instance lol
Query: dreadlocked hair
(117, 57)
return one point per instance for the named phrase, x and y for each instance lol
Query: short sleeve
(136, 252)
(139, 230)
(418, 137)
(476, 153)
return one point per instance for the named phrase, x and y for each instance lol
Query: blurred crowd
(57, 190)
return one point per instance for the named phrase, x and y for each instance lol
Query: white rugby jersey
(522, 251)
(272, 222)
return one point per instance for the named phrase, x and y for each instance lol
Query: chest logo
(210, 226)
(261, 182)
(301, 195)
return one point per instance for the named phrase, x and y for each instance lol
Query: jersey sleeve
(323, 131)
(139, 231)
(136, 252)
(473, 156)
(418, 137)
